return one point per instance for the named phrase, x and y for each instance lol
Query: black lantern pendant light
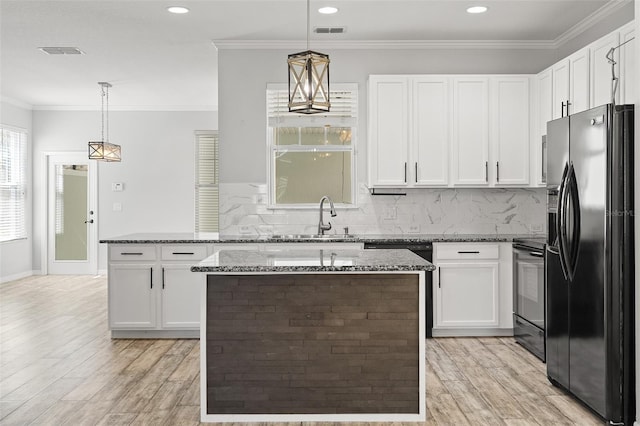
(308, 80)
(103, 150)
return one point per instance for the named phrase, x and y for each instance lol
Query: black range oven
(529, 294)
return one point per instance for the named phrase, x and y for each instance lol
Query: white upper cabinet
(430, 118)
(579, 81)
(509, 133)
(388, 131)
(571, 84)
(470, 164)
(545, 99)
(444, 131)
(601, 69)
(560, 88)
(628, 70)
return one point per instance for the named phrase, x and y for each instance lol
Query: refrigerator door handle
(572, 189)
(561, 225)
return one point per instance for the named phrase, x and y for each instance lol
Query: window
(207, 193)
(13, 184)
(312, 155)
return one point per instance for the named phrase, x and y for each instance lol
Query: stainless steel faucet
(321, 225)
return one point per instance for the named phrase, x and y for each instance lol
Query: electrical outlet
(535, 228)
(391, 213)
(414, 229)
(244, 229)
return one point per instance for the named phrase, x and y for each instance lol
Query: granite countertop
(189, 238)
(312, 260)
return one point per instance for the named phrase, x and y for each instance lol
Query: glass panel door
(72, 235)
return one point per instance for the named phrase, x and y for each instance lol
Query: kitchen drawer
(467, 251)
(184, 252)
(132, 252)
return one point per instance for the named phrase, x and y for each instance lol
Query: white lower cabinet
(472, 289)
(180, 297)
(152, 291)
(467, 295)
(132, 296)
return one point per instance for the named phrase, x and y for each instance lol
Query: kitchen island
(313, 335)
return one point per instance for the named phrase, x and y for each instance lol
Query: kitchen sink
(315, 237)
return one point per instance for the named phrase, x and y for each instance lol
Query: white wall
(15, 256)
(157, 169)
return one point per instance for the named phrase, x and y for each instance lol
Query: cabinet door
(430, 131)
(132, 296)
(545, 100)
(470, 131)
(628, 71)
(388, 131)
(579, 81)
(467, 295)
(601, 69)
(181, 296)
(510, 130)
(560, 88)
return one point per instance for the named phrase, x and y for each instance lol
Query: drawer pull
(131, 254)
(151, 277)
(183, 252)
(163, 278)
(536, 254)
(468, 252)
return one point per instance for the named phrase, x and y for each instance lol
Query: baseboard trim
(16, 276)
(472, 332)
(102, 272)
(155, 334)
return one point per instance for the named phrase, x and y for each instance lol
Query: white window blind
(13, 188)
(207, 192)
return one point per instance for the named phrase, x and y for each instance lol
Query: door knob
(88, 221)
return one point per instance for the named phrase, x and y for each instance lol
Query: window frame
(22, 184)
(338, 119)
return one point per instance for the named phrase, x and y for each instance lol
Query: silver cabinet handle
(130, 254)
(497, 171)
(468, 252)
(163, 278)
(405, 172)
(151, 277)
(439, 269)
(183, 252)
(416, 172)
(536, 254)
(486, 171)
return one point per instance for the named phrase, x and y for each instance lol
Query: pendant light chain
(308, 25)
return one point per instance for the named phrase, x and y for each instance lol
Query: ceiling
(157, 60)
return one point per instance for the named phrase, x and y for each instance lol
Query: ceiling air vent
(61, 50)
(329, 30)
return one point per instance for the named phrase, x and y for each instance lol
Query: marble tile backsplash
(244, 211)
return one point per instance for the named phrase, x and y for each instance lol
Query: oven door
(528, 281)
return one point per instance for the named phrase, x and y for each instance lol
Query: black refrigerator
(589, 265)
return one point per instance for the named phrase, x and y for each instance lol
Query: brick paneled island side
(313, 335)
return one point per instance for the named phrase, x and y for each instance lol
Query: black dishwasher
(425, 251)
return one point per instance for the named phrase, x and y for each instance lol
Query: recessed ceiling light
(328, 10)
(477, 9)
(177, 9)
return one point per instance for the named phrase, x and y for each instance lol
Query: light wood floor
(58, 366)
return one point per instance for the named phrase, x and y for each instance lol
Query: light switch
(117, 207)
(117, 186)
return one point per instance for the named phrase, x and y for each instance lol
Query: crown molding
(16, 102)
(141, 108)
(385, 44)
(589, 21)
